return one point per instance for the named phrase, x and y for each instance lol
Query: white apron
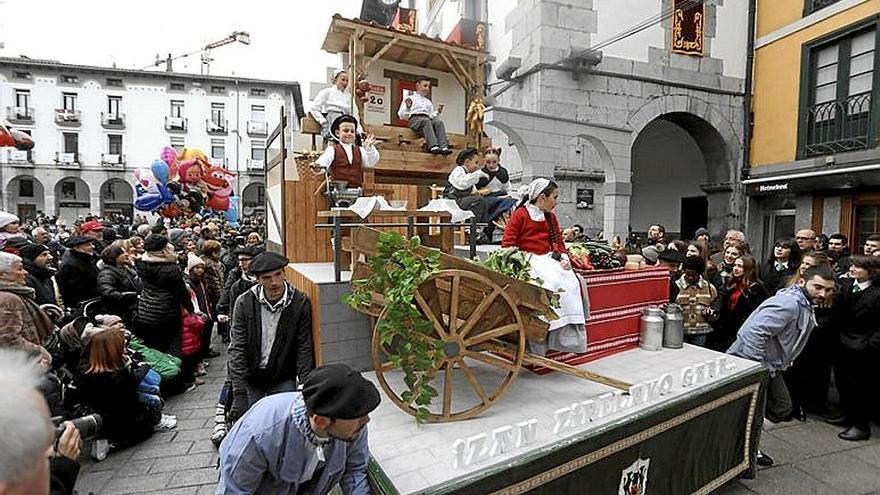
(568, 333)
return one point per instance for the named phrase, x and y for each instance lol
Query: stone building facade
(651, 135)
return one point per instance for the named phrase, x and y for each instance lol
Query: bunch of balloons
(185, 184)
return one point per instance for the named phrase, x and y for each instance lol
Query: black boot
(764, 460)
(855, 433)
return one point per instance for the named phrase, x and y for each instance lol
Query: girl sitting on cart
(533, 228)
(495, 187)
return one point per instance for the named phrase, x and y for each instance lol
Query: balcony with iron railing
(113, 120)
(20, 115)
(257, 129)
(217, 128)
(176, 124)
(811, 6)
(256, 167)
(67, 159)
(68, 118)
(12, 156)
(841, 125)
(113, 160)
(219, 162)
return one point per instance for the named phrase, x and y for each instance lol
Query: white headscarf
(531, 191)
(336, 73)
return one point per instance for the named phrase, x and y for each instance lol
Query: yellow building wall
(775, 14)
(778, 83)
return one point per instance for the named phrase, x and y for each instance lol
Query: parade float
(469, 409)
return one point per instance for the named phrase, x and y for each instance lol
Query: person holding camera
(35, 458)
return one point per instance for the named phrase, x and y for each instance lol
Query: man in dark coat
(37, 261)
(838, 252)
(237, 283)
(271, 336)
(78, 274)
(857, 316)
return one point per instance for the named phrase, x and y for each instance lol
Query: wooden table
(413, 221)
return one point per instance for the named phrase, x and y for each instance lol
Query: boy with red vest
(346, 160)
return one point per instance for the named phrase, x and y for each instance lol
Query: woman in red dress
(533, 228)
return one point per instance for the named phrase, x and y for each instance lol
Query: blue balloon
(232, 213)
(160, 171)
(165, 194)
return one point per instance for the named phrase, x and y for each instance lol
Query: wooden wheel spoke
(427, 311)
(447, 390)
(386, 367)
(491, 334)
(491, 360)
(469, 375)
(453, 305)
(478, 313)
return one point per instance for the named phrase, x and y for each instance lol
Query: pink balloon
(169, 155)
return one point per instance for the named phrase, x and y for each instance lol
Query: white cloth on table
(364, 206)
(449, 206)
(568, 332)
(420, 105)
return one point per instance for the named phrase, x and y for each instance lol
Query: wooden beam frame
(379, 54)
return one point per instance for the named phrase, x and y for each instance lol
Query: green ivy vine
(397, 271)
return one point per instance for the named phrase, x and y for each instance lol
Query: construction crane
(238, 36)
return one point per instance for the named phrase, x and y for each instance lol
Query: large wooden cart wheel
(467, 311)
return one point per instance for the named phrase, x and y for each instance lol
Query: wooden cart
(482, 317)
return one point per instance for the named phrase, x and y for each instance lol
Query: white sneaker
(167, 422)
(100, 449)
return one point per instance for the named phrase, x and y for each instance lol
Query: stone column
(616, 219)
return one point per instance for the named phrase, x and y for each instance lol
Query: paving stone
(787, 480)
(813, 437)
(781, 451)
(843, 471)
(201, 446)
(869, 454)
(193, 435)
(733, 488)
(192, 477)
(162, 450)
(134, 468)
(186, 490)
(136, 484)
(207, 489)
(92, 482)
(183, 462)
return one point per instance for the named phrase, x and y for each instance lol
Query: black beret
(465, 154)
(341, 120)
(339, 392)
(155, 242)
(694, 263)
(671, 256)
(268, 261)
(77, 240)
(31, 251)
(251, 251)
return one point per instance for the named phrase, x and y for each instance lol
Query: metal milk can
(651, 329)
(673, 329)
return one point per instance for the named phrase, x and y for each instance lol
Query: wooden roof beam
(379, 54)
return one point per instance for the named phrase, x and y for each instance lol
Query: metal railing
(13, 156)
(66, 117)
(66, 159)
(112, 159)
(113, 120)
(258, 128)
(19, 114)
(214, 127)
(176, 123)
(839, 125)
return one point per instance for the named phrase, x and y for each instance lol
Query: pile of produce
(593, 256)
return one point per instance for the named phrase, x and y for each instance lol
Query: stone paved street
(178, 462)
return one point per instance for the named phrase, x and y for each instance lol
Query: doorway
(778, 224)
(694, 214)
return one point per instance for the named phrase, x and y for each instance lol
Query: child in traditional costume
(533, 228)
(424, 118)
(495, 187)
(332, 103)
(462, 187)
(346, 160)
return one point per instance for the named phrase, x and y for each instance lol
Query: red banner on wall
(688, 19)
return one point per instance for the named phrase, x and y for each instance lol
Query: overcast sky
(285, 44)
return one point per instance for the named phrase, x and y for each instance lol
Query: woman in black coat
(158, 321)
(781, 266)
(118, 284)
(737, 299)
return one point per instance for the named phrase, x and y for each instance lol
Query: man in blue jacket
(303, 443)
(776, 333)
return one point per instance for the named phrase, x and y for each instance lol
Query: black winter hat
(694, 263)
(339, 392)
(334, 127)
(155, 242)
(671, 256)
(31, 251)
(77, 240)
(251, 251)
(268, 261)
(465, 154)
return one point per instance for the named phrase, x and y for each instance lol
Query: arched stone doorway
(580, 175)
(117, 198)
(26, 197)
(253, 199)
(72, 198)
(678, 162)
